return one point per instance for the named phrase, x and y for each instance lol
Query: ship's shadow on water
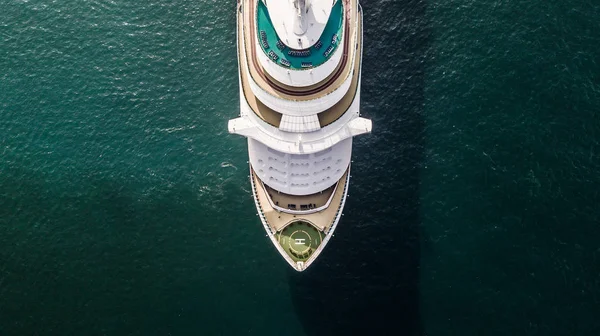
(366, 281)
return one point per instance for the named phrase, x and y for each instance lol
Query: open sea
(474, 207)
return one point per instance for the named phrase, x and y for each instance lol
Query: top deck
(300, 59)
(248, 32)
(251, 70)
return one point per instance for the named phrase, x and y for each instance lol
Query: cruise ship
(299, 74)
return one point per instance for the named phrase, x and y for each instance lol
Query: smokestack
(300, 24)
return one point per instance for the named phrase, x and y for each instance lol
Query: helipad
(300, 240)
(300, 59)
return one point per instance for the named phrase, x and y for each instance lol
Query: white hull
(299, 148)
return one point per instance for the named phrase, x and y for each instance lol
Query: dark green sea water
(474, 206)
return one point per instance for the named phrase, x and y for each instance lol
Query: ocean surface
(125, 207)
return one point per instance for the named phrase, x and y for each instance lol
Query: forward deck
(294, 202)
(277, 219)
(298, 236)
(300, 240)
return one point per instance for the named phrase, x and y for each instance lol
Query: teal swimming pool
(300, 59)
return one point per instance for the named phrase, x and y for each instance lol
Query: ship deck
(271, 116)
(294, 202)
(300, 240)
(299, 237)
(307, 58)
(278, 220)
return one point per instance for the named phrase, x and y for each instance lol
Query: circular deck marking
(300, 240)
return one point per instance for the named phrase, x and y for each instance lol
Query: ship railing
(342, 199)
(261, 212)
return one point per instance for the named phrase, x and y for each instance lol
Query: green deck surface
(300, 240)
(333, 28)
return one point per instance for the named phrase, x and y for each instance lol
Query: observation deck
(300, 59)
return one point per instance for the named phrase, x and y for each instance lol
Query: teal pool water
(330, 39)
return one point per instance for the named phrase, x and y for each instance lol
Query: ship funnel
(300, 24)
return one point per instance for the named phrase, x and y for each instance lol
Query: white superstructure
(299, 63)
